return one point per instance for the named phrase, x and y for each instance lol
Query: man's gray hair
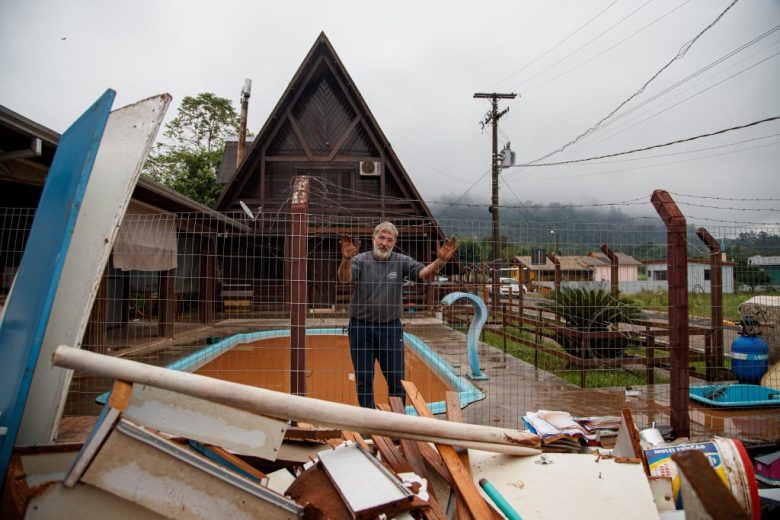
(386, 226)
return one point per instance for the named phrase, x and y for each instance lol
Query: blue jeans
(369, 341)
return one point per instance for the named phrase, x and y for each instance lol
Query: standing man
(375, 311)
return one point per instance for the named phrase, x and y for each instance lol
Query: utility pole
(492, 117)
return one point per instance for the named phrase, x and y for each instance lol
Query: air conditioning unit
(371, 168)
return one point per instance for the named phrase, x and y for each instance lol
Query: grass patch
(594, 377)
(698, 303)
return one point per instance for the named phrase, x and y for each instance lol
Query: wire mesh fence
(576, 315)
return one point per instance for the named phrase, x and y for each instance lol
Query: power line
(706, 148)
(701, 71)
(638, 201)
(634, 124)
(680, 54)
(578, 49)
(651, 166)
(515, 73)
(607, 49)
(670, 143)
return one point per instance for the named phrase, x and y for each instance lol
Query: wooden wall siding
(323, 114)
(359, 143)
(286, 142)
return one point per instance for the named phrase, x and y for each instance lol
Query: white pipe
(291, 407)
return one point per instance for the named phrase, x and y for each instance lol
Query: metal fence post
(677, 265)
(299, 258)
(715, 352)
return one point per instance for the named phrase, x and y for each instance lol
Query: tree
(188, 159)
(750, 275)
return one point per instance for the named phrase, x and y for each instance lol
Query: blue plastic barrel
(749, 358)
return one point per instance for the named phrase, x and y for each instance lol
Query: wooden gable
(322, 127)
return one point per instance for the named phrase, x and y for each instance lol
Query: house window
(706, 275)
(660, 275)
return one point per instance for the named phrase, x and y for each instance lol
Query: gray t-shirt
(378, 292)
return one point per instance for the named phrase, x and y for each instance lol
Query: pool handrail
(475, 328)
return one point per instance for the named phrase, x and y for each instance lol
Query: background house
(769, 264)
(628, 267)
(698, 275)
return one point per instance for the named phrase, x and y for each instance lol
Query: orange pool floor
(329, 373)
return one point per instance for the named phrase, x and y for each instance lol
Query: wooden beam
(634, 437)
(460, 475)
(415, 460)
(705, 495)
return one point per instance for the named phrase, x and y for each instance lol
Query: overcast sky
(418, 64)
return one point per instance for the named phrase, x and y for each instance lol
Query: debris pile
(160, 449)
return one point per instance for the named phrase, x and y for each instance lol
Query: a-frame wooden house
(322, 128)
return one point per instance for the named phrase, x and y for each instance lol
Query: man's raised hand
(447, 249)
(348, 247)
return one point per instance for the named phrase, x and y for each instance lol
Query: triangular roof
(323, 119)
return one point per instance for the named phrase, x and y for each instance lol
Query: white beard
(381, 255)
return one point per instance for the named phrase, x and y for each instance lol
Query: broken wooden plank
(121, 392)
(704, 493)
(416, 462)
(224, 457)
(316, 493)
(460, 475)
(408, 447)
(454, 414)
(390, 454)
(356, 438)
(634, 436)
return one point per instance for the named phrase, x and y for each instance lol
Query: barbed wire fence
(213, 294)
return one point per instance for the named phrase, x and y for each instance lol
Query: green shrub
(589, 310)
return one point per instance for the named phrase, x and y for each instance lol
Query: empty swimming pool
(262, 359)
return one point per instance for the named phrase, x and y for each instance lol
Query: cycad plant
(592, 310)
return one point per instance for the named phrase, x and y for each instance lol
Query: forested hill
(583, 229)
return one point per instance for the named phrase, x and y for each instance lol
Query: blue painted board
(27, 309)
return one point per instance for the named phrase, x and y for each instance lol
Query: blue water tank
(749, 359)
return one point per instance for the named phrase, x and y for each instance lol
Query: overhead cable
(680, 54)
(670, 143)
(515, 73)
